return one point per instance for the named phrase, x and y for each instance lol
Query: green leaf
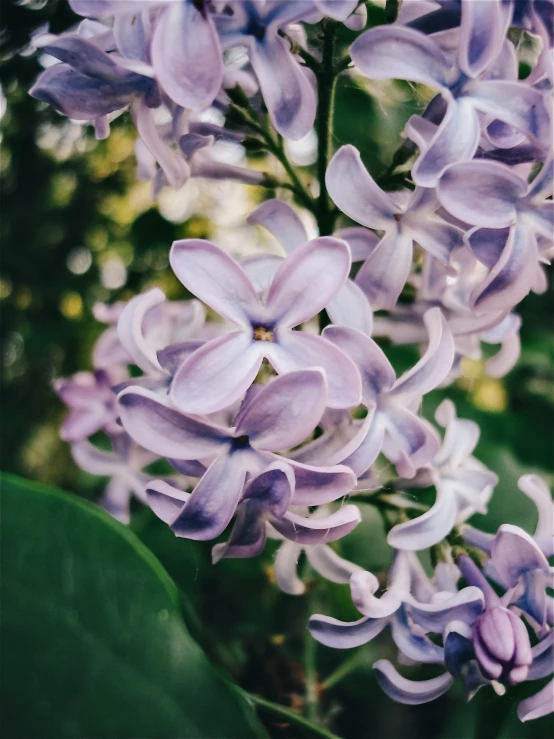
(93, 643)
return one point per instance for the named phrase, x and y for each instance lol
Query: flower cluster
(286, 406)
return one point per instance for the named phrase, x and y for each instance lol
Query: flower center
(261, 333)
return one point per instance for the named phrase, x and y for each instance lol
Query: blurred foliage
(76, 228)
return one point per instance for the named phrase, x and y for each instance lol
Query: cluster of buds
(271, 418)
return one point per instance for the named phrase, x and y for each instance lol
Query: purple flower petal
(354, 191)
(515, 553)
(538, 705)
(363, 585)
(487, 244)
(94, 460)
(482, 193)
(337, 9)
(286, 411)
(430, 528)
(217, 374)
(282, 221)
(350, 307)
(410, 692)
(165, 431)
(514, 103)
(362, 241)
(376, 371)
(363, 449)
(295, 296)
(329, 565)
(415, 646)
(300, 350)
(274, 488)
(385, 272)
(342, 634)
(455, 140)
(286, 561)
(410, 441)
(130, 330)
(78, 96)
(482, 33)
(543, 658)
(513, 275)
(213, 501)
(174, 167)
(318, 485)
(248, 535)
(465, 606)
(103, 8)
(214, 277)
(318, 530)
(187, 56)
(287, 91)
(165, 500)
(537, 490)
(435, 364)
(393, 52)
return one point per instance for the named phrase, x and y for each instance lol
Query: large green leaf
(93, 644)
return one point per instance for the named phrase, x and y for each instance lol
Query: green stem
(348, 666)
(326, 83)
(285, 714)
(310, 678)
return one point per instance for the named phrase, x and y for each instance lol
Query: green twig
(310, 678)
(288, 716)
(349, 665)
(326, 83)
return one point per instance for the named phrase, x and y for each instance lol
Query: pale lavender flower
(394, 52)
(275, 418)
(222, 370)
(403, 217)
(464, 485)
(510, 215)
(287, 90)
(92, 404)
(123, 465)
(392, 425)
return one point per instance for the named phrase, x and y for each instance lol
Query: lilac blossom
(287, 90)
(223, 369)
(275, 418)
(123, 465)
(509, 215)
(92, 404)
(403, 217)
(464, 485)
(391, 425)
(394, 52)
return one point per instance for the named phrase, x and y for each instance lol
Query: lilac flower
(386, 269)
(393, 52)
(286, 89)
(265, 503)
(123, 466)
(92, 404)
(350, 306)
(535, 489)
(391, 426)
(221, 371)
(463, 485)
(275, 418)
(185, 50)
(323, 560)
(510, 215)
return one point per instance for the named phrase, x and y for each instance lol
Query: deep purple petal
(465, 606)
(318, 485)
(482, 31)
(213, 501)
(413, 645)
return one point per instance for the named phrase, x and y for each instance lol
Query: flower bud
(502, 646)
